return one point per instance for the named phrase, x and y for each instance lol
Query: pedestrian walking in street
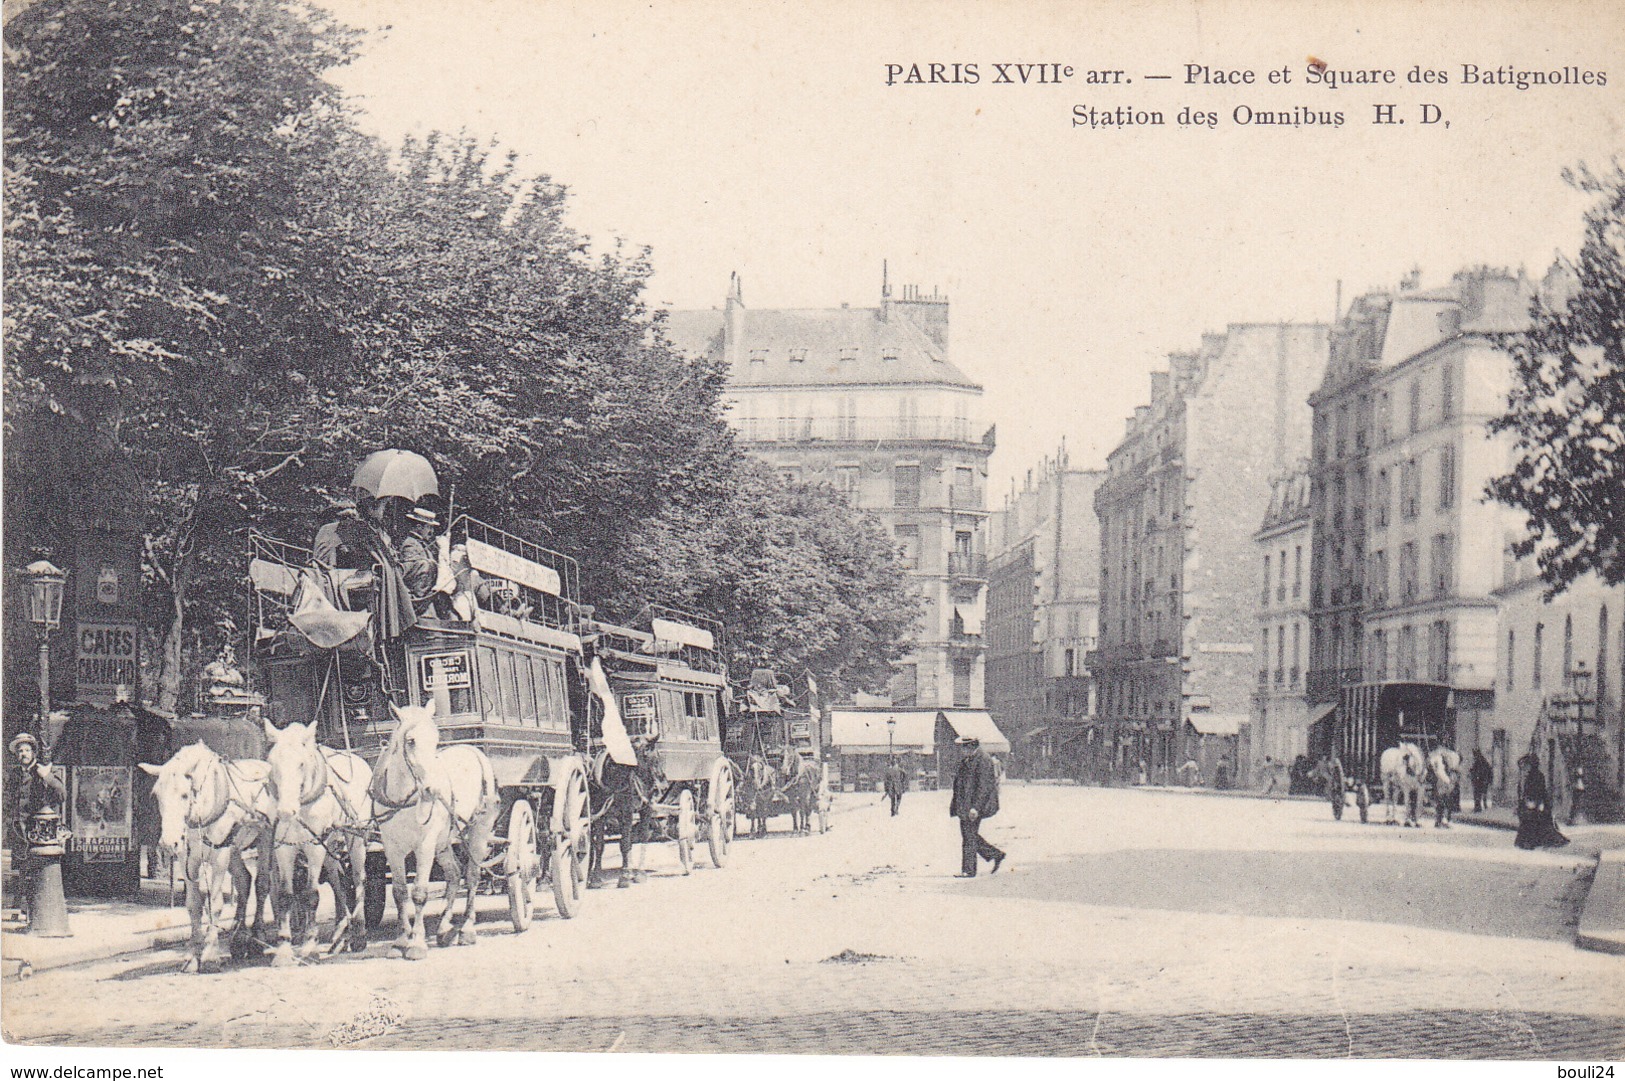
(976, 797)
(1535, 826)
(1482, 775)
(1336, 784)
(896, 785)
(1272, 775)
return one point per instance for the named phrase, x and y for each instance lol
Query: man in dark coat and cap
(976, 797)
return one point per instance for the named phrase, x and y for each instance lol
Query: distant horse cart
(1388, 736)
(775, 751)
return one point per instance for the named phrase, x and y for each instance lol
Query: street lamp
(891, 738)
(1581, 680)
(46, 583)
(48, 909)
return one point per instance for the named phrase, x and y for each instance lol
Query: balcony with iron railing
(856, 429)
(967, 564)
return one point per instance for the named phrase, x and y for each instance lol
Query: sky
(763, 138)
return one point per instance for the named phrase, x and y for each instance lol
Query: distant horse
(430, 803)
(316, 796)
(802, 792)
(623, 796)
(757, 794)
(1444, 766)
(207, 807)
(1403, 770)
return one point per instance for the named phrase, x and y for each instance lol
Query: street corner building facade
(1043, 600)
(867, 400)
(1412, 578)
(1278, 728)
(1178, 509)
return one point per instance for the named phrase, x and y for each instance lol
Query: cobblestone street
(1125, 923)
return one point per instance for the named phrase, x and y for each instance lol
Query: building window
(1444, 569)
(1416, 406)
(908, 545)
(905, 486)
(1512, 659)
(798, 356)
(1264, 598)
(1447, 389)
(1384, 418)
(1383, 497)
(1447, 477)
(1407, 572)
(1297, 571)
(963, 670)
(1280, 655)
(758, 356)
(846, 419)
(1538, 659)
(1410, 490)
(849, 353)
(908, 417)
(1602, 657)
(1407, 652)
(1439, 651)
(1379, 655)
(1379, 578)
(847, 478)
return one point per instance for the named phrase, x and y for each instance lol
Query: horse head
(298, 774)
(190, 787)
(415, 745)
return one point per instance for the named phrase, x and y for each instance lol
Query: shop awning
(1321, 712)
(1217, 724)
(971, 615)
(979, 724)
(866, 732)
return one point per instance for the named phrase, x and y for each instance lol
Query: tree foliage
(1567, 406)
(214, 275)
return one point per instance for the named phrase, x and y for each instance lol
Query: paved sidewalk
(1602, 920)
(101, 929)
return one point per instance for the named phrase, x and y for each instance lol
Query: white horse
(1403, 769)
(427, 800)
(1444, 765)
(315, 795)
(207, 806)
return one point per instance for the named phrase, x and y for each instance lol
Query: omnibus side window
(550, 694)
(527, 690)
(510, 688)
(490, 685)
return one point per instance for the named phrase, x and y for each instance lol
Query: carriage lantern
(1580, 679)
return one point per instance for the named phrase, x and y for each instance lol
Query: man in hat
(976, 797)
(341, 543)
(419, 567)
(896, 782)
(31, 789)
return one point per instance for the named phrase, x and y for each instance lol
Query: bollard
(48, 911)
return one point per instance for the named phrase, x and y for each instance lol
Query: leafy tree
(1567, 406)
(801, 581)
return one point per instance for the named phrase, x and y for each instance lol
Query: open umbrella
(396, 473)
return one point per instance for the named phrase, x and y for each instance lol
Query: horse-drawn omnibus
(670, 689)
(509, 679)
(1373, 717)
(775, 751)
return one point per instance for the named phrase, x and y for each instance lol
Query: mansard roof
(818, 347)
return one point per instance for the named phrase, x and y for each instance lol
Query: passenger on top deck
(341, 544)
(419, 567)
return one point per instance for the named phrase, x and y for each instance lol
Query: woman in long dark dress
(1535, 826)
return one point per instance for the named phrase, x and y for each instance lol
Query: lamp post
(46, 583)
(48, 908)
(1581, 681)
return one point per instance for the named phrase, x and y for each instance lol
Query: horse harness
(231, 797)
